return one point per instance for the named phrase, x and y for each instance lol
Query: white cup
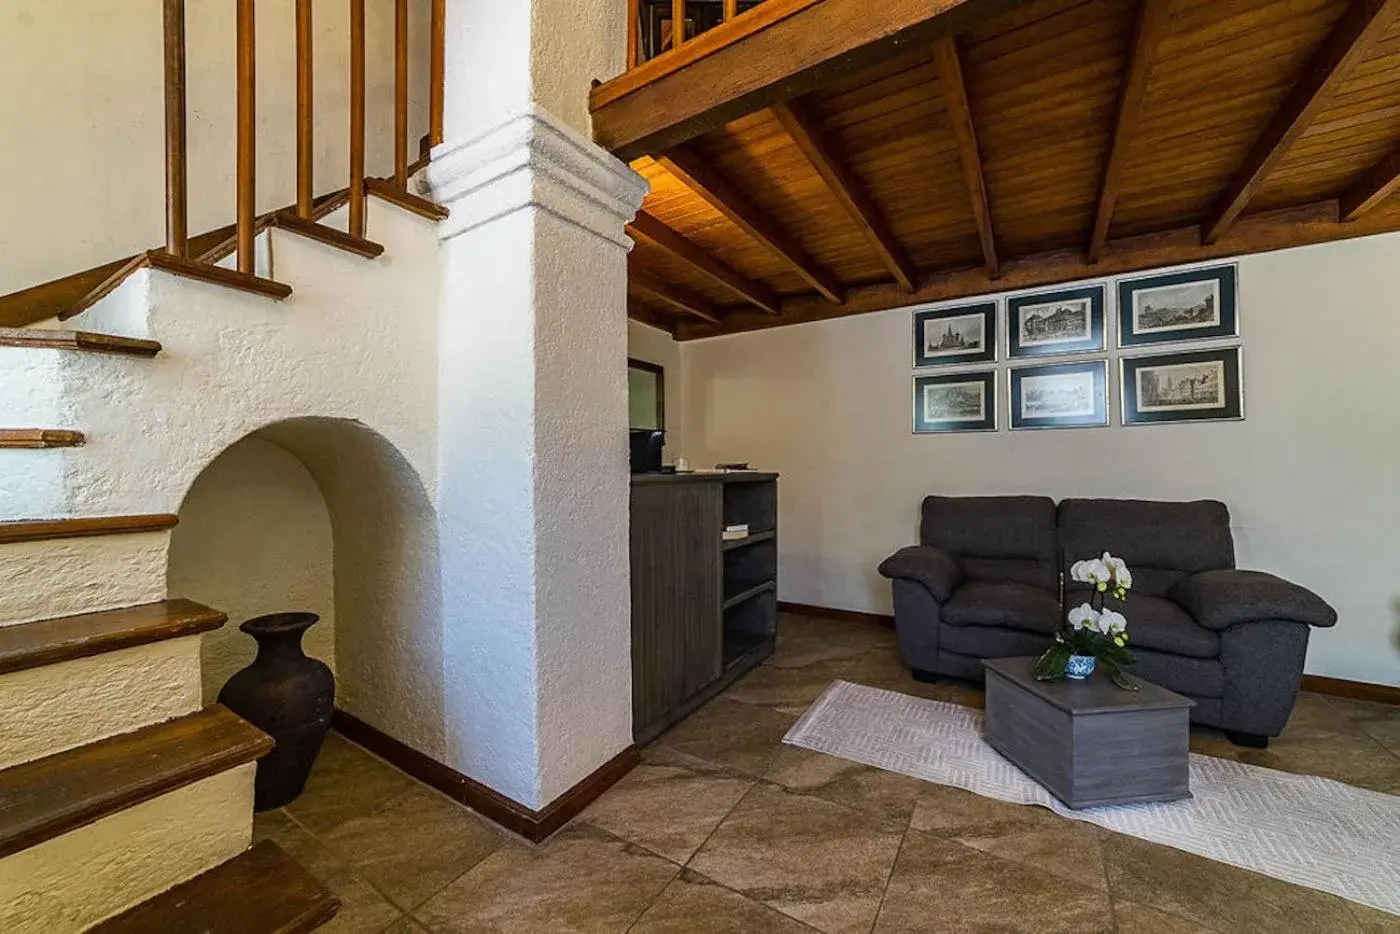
(682, 465)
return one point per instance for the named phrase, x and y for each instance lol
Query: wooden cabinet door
(676, 602)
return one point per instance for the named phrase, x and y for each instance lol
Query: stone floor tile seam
(348, 867)
(889, 877)
(714, 830)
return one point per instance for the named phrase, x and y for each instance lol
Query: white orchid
(1118, 568)
(1112, 623)
(1093, 571)
(1084, 617)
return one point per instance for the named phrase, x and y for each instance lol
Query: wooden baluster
(401, 94)
(357, 118)
(677, 23)
(247, 144)
(177, 241)
(306, 112)
(731, 9)
(437, 72)
(634, 15)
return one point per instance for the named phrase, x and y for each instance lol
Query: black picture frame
(1224, 403)
(1220, 319)
(985, 419)
(1093, 298)
(1092, 411)
(956, 319)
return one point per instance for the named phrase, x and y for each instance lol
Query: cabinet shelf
(753, 539)
(735, 594)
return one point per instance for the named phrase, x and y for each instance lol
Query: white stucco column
(533, 404)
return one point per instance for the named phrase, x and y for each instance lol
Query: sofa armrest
(1220, 599)
(937, 570)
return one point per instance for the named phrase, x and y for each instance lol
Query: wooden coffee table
(1090, 742)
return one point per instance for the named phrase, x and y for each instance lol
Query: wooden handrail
(437, 76)
(306, 112)
(176, 153)
(247, 143)
(677, 23)
(357, 118)
(401, 93)
(634, 33)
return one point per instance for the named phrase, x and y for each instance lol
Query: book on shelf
(734, 533)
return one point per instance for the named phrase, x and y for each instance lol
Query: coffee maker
(646, 449)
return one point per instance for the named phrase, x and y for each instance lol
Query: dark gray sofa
(984, 582)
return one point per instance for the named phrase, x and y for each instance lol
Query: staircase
(125, 805)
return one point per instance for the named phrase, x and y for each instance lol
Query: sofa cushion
(1003, 538)
(1155, 623)
(1003, 603)
(1219, 599)
(991, 641)
(1162, 542)
(1198, 677)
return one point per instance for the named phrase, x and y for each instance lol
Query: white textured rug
(1310, 831)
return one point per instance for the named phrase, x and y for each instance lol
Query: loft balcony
(816, 158)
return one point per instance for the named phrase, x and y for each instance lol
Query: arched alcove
(324, 514)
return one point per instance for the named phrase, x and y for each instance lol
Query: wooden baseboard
(1336, 687)
(1355, 690)
(533, 825)
(826, 612)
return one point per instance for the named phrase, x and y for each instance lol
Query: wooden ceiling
(1040, 142)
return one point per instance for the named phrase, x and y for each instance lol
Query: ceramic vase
(1080, 667)
(288, 695)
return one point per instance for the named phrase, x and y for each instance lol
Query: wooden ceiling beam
(714, 188)
(950, 76)
(1368, 192)
(648, 228)
(1318, 222)
(848, 189)
(779, 50)
(1147, 37)
(646, 286)
(1361, 26)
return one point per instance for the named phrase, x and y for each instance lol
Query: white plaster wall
(57, 707)
(254, 538)
(582, 492)
(1309, 476)
(77, 879)
(87, 81)
(654, 345)
(355, 346)
(507, 56)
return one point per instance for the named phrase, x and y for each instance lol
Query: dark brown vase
(287, 695)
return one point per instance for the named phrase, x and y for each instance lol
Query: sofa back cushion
(1010, 538)
(1162, 542)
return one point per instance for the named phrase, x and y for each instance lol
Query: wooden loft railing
(196, 256)
(654, 33)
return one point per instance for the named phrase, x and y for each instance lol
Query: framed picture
(1048, 323)
(955, 402)
(965, 334)
(1060, 395)
(1198, 385)
(1199, 304)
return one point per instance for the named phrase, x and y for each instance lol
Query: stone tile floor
(723, 829)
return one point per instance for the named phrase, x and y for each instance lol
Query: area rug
(1303, 829)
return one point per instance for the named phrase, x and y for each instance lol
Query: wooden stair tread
(33, 438)
(63, 638)
(260, 891)
(48, 797)
(44, 338)
(290, 222)
(39, 530)
(383, 188)
(180, 266)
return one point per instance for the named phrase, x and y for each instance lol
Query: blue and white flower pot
(1080, 667)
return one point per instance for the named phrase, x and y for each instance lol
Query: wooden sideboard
(704, 611)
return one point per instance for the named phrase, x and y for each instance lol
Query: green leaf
(1051, 665)
(1116, 675)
